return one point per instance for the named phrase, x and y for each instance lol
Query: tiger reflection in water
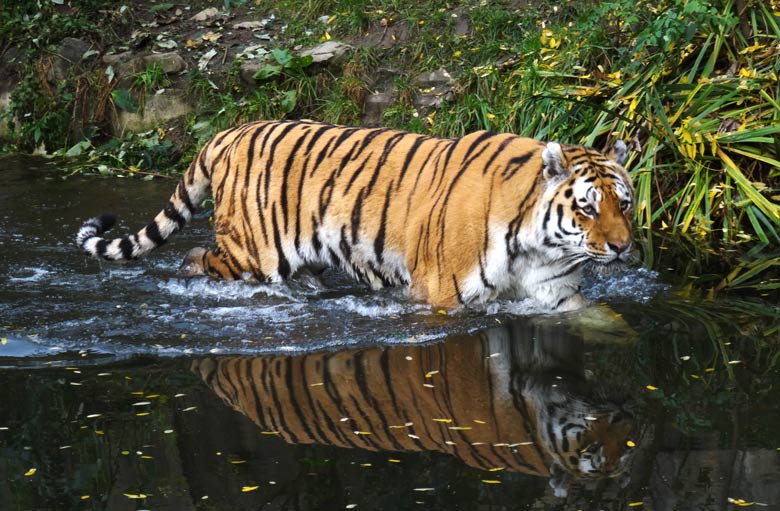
(513, 396)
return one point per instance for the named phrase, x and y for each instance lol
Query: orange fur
(457, 220)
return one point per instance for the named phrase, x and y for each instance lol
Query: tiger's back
(458, 220)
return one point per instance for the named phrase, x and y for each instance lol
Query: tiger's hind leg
(200, 261)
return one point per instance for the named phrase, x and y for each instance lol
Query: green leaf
(161, 7)
(283, 57)
(124, 100)
(288, 101)
(79, 148)
(267, 71)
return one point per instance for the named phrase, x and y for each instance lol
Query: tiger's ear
(554, 164)
(619, 153)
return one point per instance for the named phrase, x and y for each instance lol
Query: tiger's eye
(588, 210)
(625, 204)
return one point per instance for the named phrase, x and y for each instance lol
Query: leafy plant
(285, 64)
(125, 100)
(151, 79)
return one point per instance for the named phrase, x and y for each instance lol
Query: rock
(170, 62)
(68, 55)
(327, 51)
(73, 49)
(434, 87)
(117, 59)
(206, 14)
(126, 65)
(248, 69)
(461, 25)
(249, 25)
(13, 56)
(375, 106)
(440, 77)
(158, 109)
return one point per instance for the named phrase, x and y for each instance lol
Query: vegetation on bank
(691, 84)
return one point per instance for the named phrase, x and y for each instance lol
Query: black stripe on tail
(94, 227)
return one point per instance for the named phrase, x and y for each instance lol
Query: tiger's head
(588, 442)
(589, 202)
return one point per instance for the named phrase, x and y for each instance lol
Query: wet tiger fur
(462, 220)
(513, 397)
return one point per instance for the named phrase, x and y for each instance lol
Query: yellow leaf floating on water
(630, 443)
(650, 387)
(635, 504)
(491, 481)
(238, 462)
(443, 420)
(4, 340)
(269, 432)
(393, 460)
(742, 502)
(135, 496)
(362, 432)
(85, 497)
(30, 472)
(496, 469)
(246, 489)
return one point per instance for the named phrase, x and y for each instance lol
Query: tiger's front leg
(573, 303)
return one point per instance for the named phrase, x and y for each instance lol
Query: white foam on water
(29, 274)
(273, 314)
(207, 288)
(373, 306)
(629, 284)
(522, 307)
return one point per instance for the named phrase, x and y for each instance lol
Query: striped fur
(457, 220)
(514, 397)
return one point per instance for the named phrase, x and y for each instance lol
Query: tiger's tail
(191, 190)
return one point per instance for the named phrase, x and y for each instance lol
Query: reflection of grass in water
(701, 270)
(708, 358)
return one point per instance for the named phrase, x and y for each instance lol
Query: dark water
(128, 387)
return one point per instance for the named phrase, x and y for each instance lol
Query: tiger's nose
(619, 248)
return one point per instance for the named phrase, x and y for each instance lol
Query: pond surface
(127, 387)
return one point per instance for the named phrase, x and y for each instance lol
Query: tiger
(514, 397)
(452, 221)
